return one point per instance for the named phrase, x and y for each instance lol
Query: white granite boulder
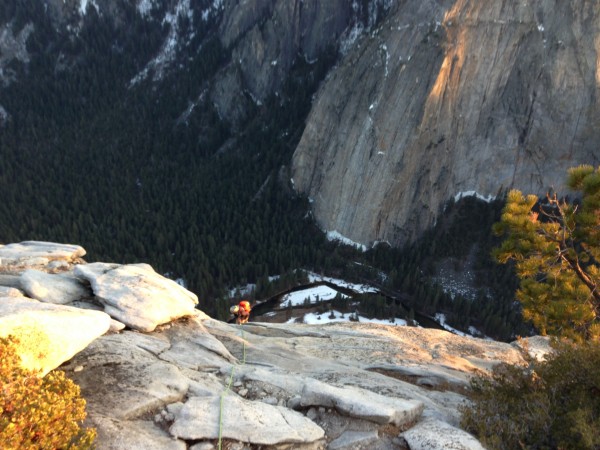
(432, 434)
(6, 291)
(59, 289)
(49, 334)
(136, 295)
(37, 254)
(360, 403)
(242, 420)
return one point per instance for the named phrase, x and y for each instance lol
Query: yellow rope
(226, 391)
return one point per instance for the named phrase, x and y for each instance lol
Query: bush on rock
(36, 412)
(550, 404)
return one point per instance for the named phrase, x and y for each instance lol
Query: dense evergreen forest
(89, 158)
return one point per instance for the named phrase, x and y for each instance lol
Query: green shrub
(554, 404)
(39, 412)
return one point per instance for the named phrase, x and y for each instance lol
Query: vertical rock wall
(447, 97)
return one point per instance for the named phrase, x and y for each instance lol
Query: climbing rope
(227, 389)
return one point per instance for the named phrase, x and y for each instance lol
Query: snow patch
(83, 5)
(336, 316)
(314, 295)
(387, 58)
(441, 319)
(212, 9)
(166, 54)
(336, 236)
(347, 42)
(540, 27)
(145, 6)
(386, 242)
(358, 288)
(460, 195)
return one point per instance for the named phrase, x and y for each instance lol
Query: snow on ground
(358, 288)
(315, 318)
(169, 48)
(216, 6)
(441, 319)
(83, 6)
(336, 236)
(145, 6)
(314, 294)
(243, 291)
(475, 332)
(325, 293)
(460, 195)
(350, 37)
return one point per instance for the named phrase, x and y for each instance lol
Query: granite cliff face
(446, 97)
(266, 37)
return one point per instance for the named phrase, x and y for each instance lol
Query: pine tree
(556, 248)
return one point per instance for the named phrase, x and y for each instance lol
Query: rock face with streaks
(447, 97)
(266, 38)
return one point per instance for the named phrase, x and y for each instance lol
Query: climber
(241, 312)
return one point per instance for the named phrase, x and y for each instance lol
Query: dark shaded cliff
(446, 97)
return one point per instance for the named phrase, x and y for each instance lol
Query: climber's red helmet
(245, 305)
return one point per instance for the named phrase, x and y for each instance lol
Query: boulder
(49, 288)
(37, 254)
(6, 291)
(242, 420)
(49, 334)
(116, 326)
(361, 403)
(136, 295)
(432, 434)
(194, 347)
